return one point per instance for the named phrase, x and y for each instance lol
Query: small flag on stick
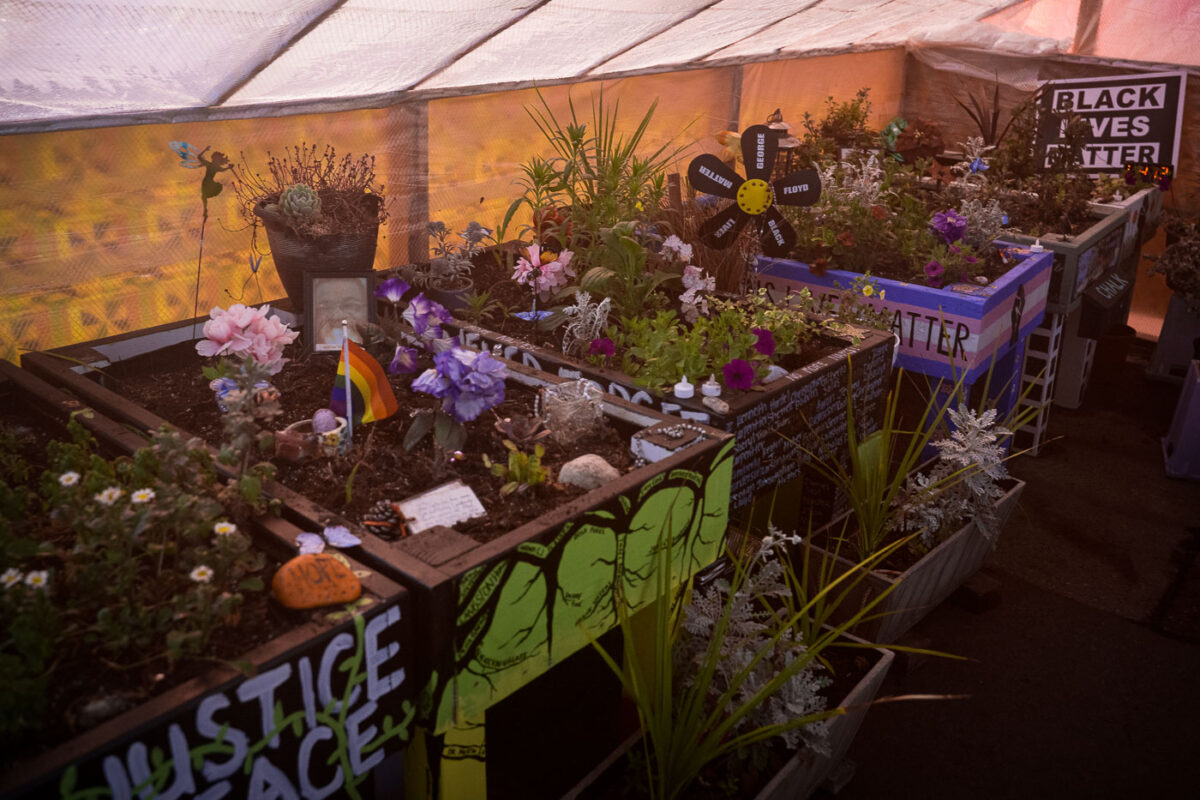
(372, 398)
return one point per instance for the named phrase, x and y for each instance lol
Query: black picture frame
(330, 297)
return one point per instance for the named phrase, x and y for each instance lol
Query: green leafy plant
(523, 472)
(135, 560)
(481, 306)
(732, 672)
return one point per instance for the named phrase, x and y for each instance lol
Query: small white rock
(589, 472)
(716, 404)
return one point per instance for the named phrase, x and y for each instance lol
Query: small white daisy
(11, 577)
(109, 496)
(37, 579)
(68, 478)
(142, 496)
(224, 528)
(202, 574)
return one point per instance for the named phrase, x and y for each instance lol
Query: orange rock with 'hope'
(313, 580)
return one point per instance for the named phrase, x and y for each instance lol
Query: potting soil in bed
(170, 383)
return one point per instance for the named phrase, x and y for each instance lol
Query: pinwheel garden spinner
(755, 196)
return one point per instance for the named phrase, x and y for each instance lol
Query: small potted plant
(446, 278)
(321, 212)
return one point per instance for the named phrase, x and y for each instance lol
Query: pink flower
(766, 342)
(246, 333)
(542, 271)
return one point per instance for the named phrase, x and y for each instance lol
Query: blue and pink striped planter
(943, 332)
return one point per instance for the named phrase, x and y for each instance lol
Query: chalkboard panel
(774, 438)
(314, 720)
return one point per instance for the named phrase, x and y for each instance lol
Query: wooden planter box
(804, 773)
(1080, 259)
(958, 330)
(763, 458)
(363, 662)
(1137, 211)
(922, 586)
(491, 617)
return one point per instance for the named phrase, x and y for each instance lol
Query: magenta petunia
(933, 273)
(602, 347)
(766, 341)
(738, 374)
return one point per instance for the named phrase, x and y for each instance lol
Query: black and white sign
(1134, 118)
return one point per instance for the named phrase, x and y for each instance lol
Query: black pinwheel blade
(759, 145)
(721, 230)
(801, 188)
(711, 175)
(777, 235)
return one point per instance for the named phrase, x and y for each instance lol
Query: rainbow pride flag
(373, 398)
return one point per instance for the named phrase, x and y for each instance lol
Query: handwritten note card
(447, 505)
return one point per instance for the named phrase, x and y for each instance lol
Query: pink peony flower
(246, 333)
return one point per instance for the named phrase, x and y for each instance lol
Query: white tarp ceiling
(76, 63)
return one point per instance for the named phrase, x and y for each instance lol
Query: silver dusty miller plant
(974, 164)
(963, 485)
(862, 182)
(751, 627)
(985, 221)
(585, 321)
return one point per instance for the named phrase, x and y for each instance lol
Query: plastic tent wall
(100, 228)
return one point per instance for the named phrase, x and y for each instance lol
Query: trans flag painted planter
(945, 332)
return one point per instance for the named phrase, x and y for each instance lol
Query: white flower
(224, 528)
(676, 245)
(11, 577)
(108, 496)
(202, 574)
(142, 496)
(68, 478)
(38, 579)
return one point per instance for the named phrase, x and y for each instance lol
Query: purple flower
(404, 362)
(392, 290)
(738, 374)
(602, 347)
(427, 316)
(468, 381)
(933, 273)
(766, 342)
(949, 225)
(978, 166)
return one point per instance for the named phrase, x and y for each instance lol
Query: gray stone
(716, 404)
(589, 471)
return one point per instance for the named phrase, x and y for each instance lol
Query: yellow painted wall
(100, 229)
(803, 84)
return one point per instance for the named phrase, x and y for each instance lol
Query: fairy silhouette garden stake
(190, 158)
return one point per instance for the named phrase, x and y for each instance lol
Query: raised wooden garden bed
(920, 588)
(343, 684)
(492, 617)
(771, 426)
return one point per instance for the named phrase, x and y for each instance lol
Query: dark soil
(170, 384)
(81, 672)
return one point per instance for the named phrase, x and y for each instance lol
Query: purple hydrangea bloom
(766, 341)
(404, 362)
(468, 381)
(949, 225)
(392, 290)
(738, 374)
(602, 347)
(427, 316)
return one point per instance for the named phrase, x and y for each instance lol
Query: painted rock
(588, 472)
(313, 580)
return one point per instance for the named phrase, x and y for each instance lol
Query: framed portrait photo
(329, 298)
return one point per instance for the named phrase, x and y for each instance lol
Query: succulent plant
(300, 204)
